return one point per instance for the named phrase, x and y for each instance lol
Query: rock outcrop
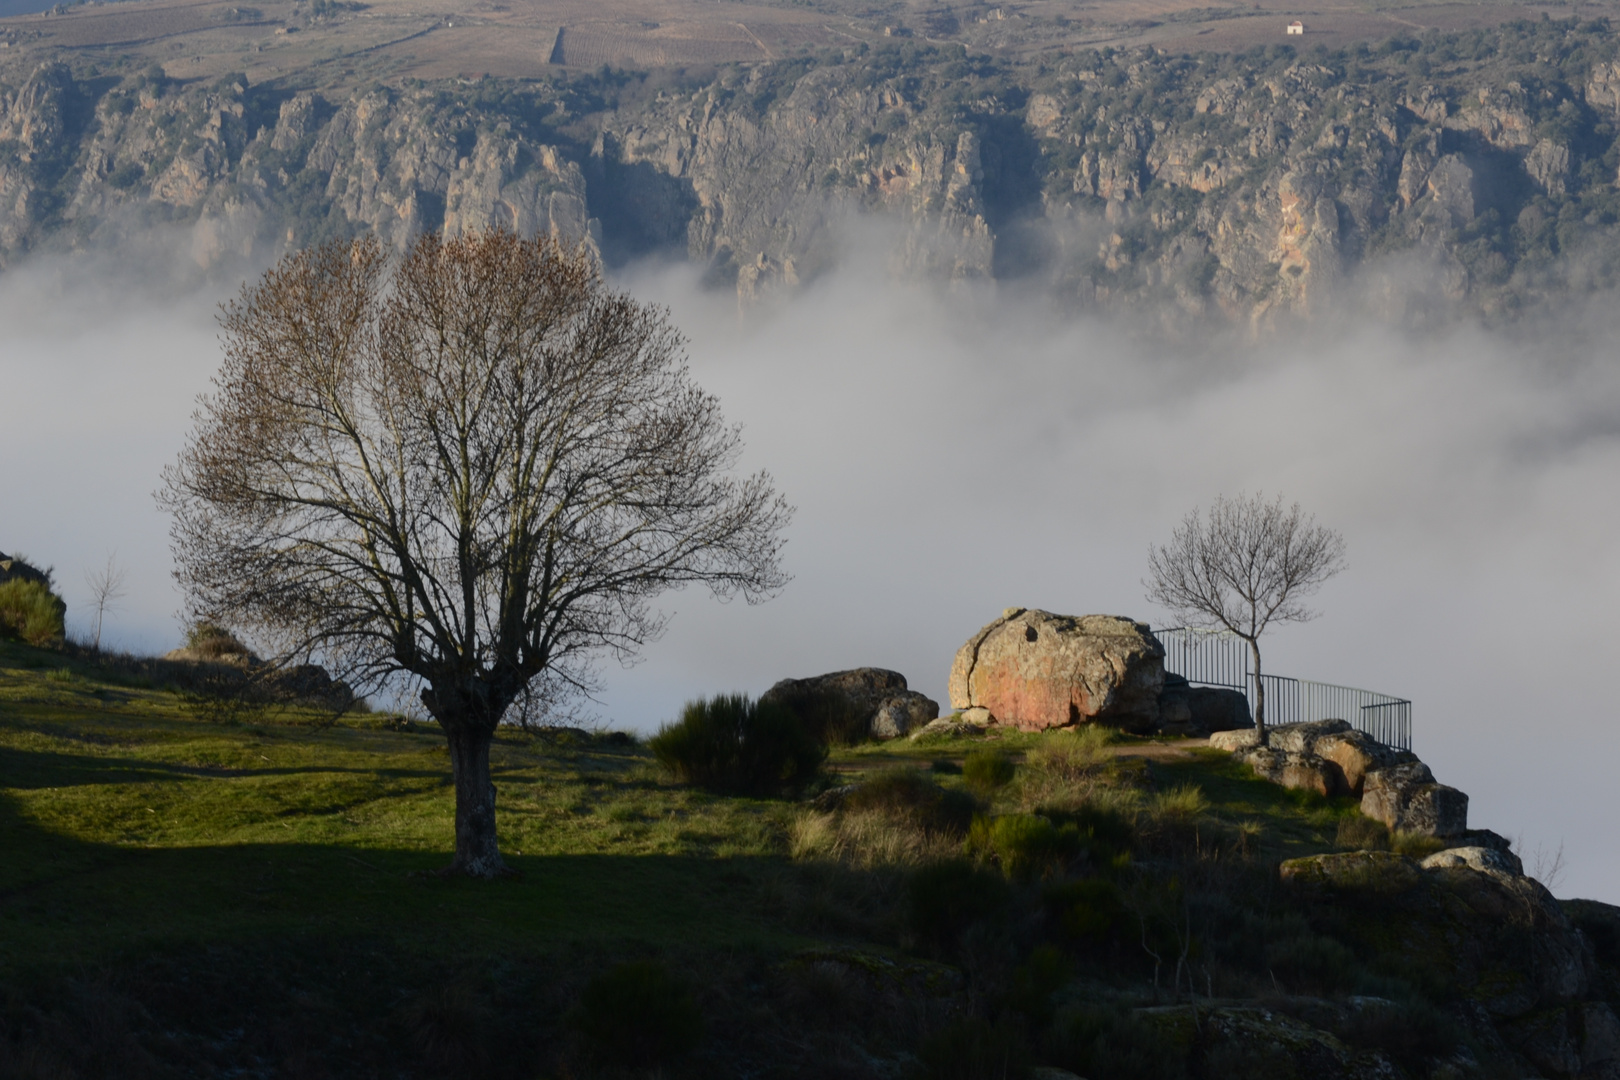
(873, 701)
(15, 569)
(1200, 710)
(1331, 758)
(1496, 939)
(1034, 670)
(1406, 797)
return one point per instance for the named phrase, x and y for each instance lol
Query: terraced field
(383, 39)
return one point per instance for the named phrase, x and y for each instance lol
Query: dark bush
(1096, 1040)
(974, 1049)
(1106, 835)
(1025, 845)
(448, 1027)
(1313, 961)
(731, 744)
(638, 1015)
(948, 897)
(31, 613)
(911, 795)
(1036, 980)
(1086, 908)
(831, 718)
(987, 769)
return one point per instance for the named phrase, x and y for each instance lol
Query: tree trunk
(477, 852)
(1259, 696)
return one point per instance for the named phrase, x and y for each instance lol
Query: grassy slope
(128, 823)
(269, 868)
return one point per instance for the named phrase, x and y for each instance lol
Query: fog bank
(954, 452)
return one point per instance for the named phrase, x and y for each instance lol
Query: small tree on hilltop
(106, 589)
(1246, 566)
(476, 466)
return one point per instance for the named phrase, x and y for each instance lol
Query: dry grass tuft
(1067, 770)
(868, 839)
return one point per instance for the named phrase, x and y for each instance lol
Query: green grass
(128, 823)
(205, 876)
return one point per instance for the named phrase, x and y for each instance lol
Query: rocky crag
(1470, 172)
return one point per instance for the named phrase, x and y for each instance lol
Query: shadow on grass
(66, 900)
(31, 769)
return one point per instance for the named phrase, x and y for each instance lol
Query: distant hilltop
(1440, 174)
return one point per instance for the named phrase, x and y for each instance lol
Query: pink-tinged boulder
(1035, 670)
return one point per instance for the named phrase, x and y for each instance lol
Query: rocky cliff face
(1471, 172)
(248, 172)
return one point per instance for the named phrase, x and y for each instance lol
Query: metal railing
(1219, 658)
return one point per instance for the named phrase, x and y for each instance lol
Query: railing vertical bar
(1210, 658)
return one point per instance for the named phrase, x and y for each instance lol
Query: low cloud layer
(953, 452)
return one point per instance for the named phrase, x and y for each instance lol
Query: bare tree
(106, 589)
(475, 466)
(1246, 566)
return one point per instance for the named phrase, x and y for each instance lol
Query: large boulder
(1301, 738)
(1200, 710)
(875, 700)
(1405, 797)
(1035, 670)
(1356, 754)
(1486, 860)
(1233, 741)
(1216, 708)
(1175, 707)
(15, 569)
(1291, 769)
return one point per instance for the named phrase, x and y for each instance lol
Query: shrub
(1025, 845)
(867, 840)
(1179, 805)
(1105, 833)
(896, 817)
(1036, 980)
(830, 717)
(1360, 833)
(448, 1027)
(638, 1015)
(1073, 755)
(1102, 1041)
(732, 744)
(1320, 963)
(1066, 767)
(30, 612)
(947, 897)
(974, 1049)
(210, 641)
(1087, 908)
(987, 769)
(911, 795)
